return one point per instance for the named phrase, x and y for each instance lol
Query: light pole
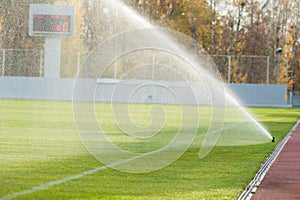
(193, 29)
(277, 71)
(292, 87)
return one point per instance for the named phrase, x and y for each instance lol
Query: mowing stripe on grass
(70, 178)
(86, 173)
(92, 171)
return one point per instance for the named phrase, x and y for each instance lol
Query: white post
(153, 66)
(291, 97)
(115, 68)
(268, 67)
(78, 64)
(229, 69)
(41, 63)
(52, 57)
(3, 62)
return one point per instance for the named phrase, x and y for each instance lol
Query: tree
(14, 25)
(14, 35)
(23, 51)
(70, 46)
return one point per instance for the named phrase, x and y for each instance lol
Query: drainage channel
(254, 184)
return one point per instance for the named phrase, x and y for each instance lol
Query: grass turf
(39, 144)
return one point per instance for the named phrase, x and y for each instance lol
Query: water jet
(146, 61)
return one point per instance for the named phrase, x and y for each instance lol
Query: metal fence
(246, 69)
(21, 63)
(30, 63)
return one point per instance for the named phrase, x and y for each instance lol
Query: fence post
(153, 66)
(268, 66)
(41, 63)
(78, 64)
(229, 69)
(115, 67)
(3, 62)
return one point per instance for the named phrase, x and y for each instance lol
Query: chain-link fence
(233, 69)
(246, 69)
(21, 63)
(70, 63)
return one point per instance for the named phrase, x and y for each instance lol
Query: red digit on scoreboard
(65, 27)
(56, 28)
(53, 27)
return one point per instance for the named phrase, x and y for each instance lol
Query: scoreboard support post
(52, 57)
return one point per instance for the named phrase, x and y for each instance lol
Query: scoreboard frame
(51, 20)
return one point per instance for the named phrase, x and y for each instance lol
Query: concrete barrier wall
(36, 88)
(261, 94)
(62, 89)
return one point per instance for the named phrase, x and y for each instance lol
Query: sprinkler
(273, 139)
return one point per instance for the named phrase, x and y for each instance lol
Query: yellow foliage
(74, 43)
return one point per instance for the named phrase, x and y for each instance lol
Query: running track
(282, 181)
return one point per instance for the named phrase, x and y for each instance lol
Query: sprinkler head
(273, 139)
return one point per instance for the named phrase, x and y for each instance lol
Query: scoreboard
(51, 24)
(51, 20)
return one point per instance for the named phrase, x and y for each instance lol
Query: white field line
(70, 178)
(89, 172)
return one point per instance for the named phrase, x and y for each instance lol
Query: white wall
(261, 94)
(62, 89)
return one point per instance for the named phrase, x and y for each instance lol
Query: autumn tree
(285, 29)
(14, 35)
(233, 37)
(237, 28)
(73, 48)
(23, 52)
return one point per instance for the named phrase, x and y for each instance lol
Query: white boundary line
(70, 178)
(89, 172)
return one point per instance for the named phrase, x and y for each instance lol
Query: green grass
(39, 144)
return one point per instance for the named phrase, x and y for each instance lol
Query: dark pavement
(282, 181)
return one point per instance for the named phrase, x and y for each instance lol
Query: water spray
(158, 67)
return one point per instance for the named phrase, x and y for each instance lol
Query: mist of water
(141, 63)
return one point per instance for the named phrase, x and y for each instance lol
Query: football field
(43, 157)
